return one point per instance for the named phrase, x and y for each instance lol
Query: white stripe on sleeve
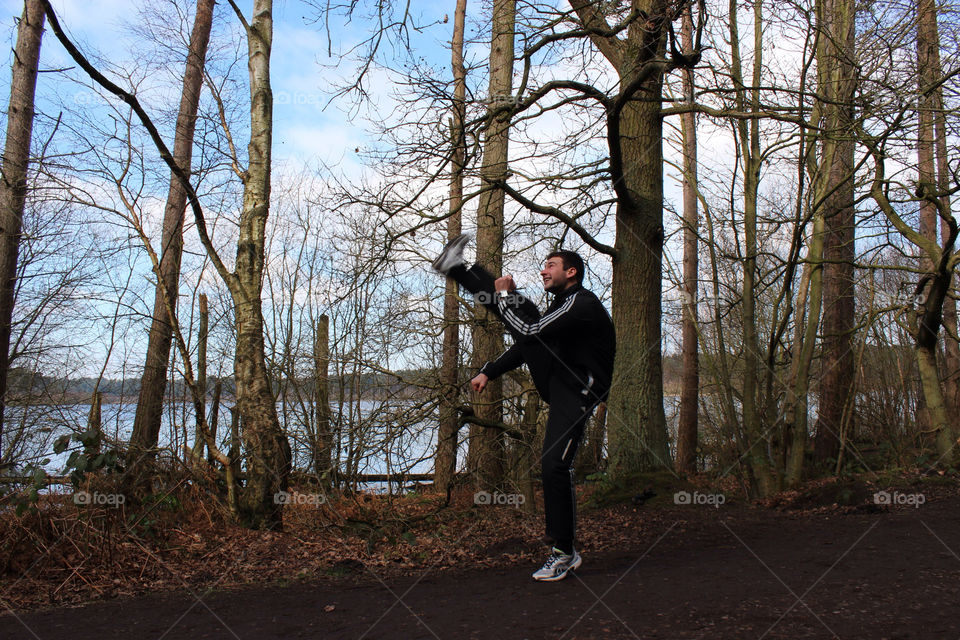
(527, 328)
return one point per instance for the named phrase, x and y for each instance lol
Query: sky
(308, 129)
(312, 133)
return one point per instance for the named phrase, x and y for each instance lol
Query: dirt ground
(696, 571)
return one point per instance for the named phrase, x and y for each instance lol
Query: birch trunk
(13, 186)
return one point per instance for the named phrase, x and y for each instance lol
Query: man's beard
(555, 287)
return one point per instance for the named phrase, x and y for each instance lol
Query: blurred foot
(452, 254)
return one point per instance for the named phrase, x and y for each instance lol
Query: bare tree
(268, 462)
(635, 418)
(486, 456)
(934, 175)
(687, 427)
(837, 72)
(13, 187)
(146, 425)
(446, 457)
(268, 450)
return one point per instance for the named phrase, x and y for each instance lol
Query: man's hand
(480, 382)
(505, 283)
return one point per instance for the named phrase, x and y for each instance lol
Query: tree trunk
(838, 83)
(811, 290)
(13, 186)
(323, 437)
(268, 451)
(932, 144)
(486, 459)
(95, 425)
(928, 65)
(146, 423)
(762, 476)
(926, 324)
(214, 419)
(527, 456)
(446, 458)
(590, 458)
(233, 468)
(951, 346)
(686, 456)
(926, 32)
(198, 441)
(636, 425)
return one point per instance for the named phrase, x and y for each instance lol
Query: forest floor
(853, 558)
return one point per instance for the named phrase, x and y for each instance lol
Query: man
(569, 350)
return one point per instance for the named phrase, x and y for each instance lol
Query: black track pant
(570, 408)
(571, 404)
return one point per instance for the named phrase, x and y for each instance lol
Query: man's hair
(571, 260)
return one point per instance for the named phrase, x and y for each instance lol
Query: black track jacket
(574, 339)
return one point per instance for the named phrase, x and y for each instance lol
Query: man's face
(555, 277)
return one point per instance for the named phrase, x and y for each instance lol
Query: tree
(635, 45)
(635, 418)
(933, 173)
(269, 456)
(449, 426)
(924, 306)
(934, 198)
(13, 186)
(686, 453)
(268, 462)
(146, 425)
(932, 73)
(322, 445)
(485, 458)
(837, 72)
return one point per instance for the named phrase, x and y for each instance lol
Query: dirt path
(728, 573)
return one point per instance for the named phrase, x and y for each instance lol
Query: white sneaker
(452, 254)
(557, 566)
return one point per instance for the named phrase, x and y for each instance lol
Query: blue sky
(307, 128)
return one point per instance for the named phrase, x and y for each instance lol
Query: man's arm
(508, 361)
(569, 316)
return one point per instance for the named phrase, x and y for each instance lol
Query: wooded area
(763, 193)
(816, 238)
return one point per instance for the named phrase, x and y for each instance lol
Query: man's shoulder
(591, 301)
(587, 296)
(581, 298)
